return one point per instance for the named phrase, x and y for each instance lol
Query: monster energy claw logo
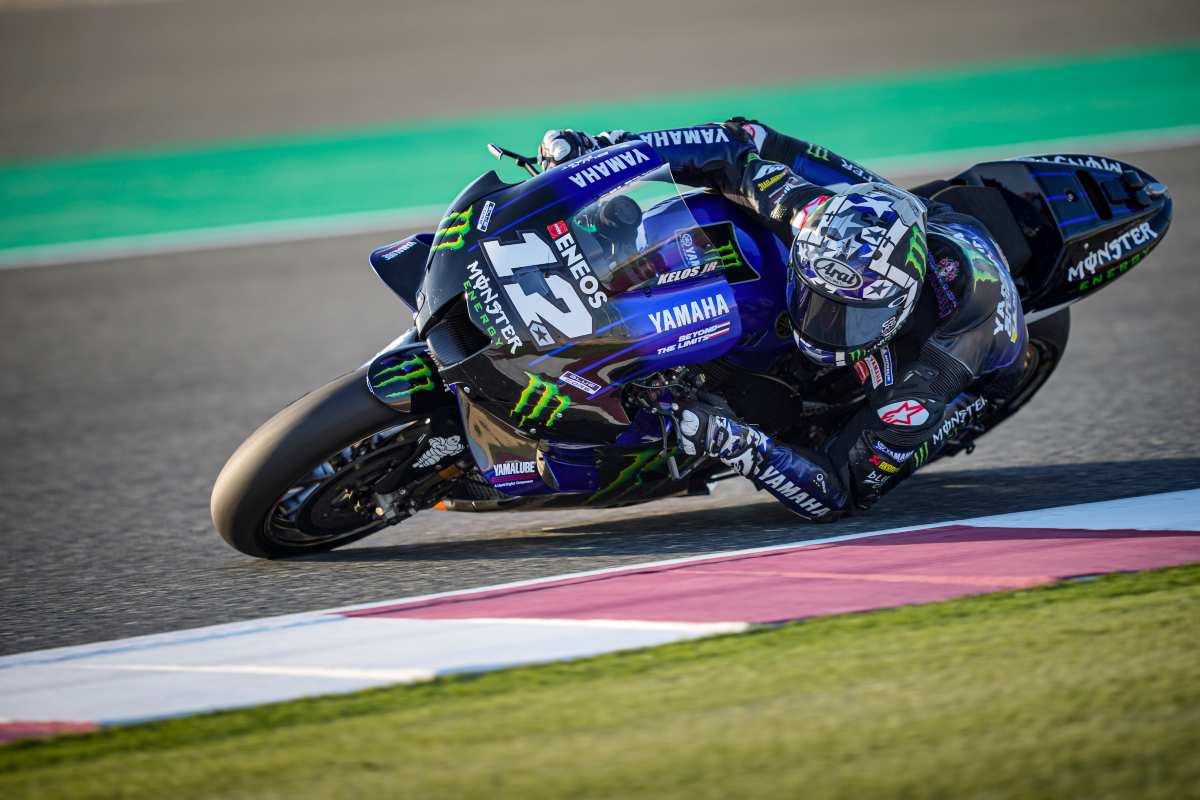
(917, 252)
(452, 230)
(412, 372)
(642, 462)
(549, 396)
(727, 254)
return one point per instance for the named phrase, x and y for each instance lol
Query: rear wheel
(320, 474)
(1047, 344)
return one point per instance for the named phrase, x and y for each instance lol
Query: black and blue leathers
(957, 360)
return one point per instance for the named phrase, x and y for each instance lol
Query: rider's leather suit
(959, 357)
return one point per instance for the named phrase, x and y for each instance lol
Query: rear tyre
(1047, 345)
(300, 482)
(1048, 338)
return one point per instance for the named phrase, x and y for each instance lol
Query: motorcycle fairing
(1088, 220)
(401, 265)
(405, 378)
(529, 205)
(569, 393)
(562, 474)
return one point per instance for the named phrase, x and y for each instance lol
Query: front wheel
(324, 472)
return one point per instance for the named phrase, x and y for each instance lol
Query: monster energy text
(485, 302)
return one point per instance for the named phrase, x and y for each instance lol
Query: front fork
(403, 376)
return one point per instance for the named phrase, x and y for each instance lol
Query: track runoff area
(584, 614)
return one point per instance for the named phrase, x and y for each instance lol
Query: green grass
(1081, 690)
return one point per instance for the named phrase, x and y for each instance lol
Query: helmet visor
(833, 325)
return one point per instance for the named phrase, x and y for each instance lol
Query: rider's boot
(802, 480)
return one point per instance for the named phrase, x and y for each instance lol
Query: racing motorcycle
(557, 320)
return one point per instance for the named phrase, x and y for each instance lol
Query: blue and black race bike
(557, 318)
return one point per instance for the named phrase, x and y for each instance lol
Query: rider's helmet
(857, 266)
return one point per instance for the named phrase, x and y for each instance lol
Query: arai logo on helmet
(837, 274)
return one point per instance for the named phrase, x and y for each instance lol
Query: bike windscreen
(639, 230)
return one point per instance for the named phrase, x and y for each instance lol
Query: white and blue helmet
(857, 267)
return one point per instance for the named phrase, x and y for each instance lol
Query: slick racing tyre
(1048, 343)
(303, 482)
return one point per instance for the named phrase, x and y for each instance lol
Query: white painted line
(388, 675)
(226, 236)
(397, 219)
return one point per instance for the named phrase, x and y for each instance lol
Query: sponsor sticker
(697, 337)
(776, 196)
(883, 465)
(783, 488)
(947, 269)
(836, 274)
(484, 302)
(485, 216)
(548, 406)
(557, 302)
(1111, 251)
(769, 182)
(692, 254)
(684, 314)
(579, 382)
(875, 480)
(702, 134)
(899, 456)
(876, 371)
(904, 412)
(506, 468)
(439, 447)
(952, 424)
(403, 248)
(602, 167)
(1087, 162)
(768, 168)
(860, 369)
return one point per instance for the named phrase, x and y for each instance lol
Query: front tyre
(306, 481)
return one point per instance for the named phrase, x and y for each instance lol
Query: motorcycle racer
(913, 296)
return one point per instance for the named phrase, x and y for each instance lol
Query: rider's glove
(561, 146)
(707, 429)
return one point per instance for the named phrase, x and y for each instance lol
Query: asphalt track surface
(126, 384)
(87, 75)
